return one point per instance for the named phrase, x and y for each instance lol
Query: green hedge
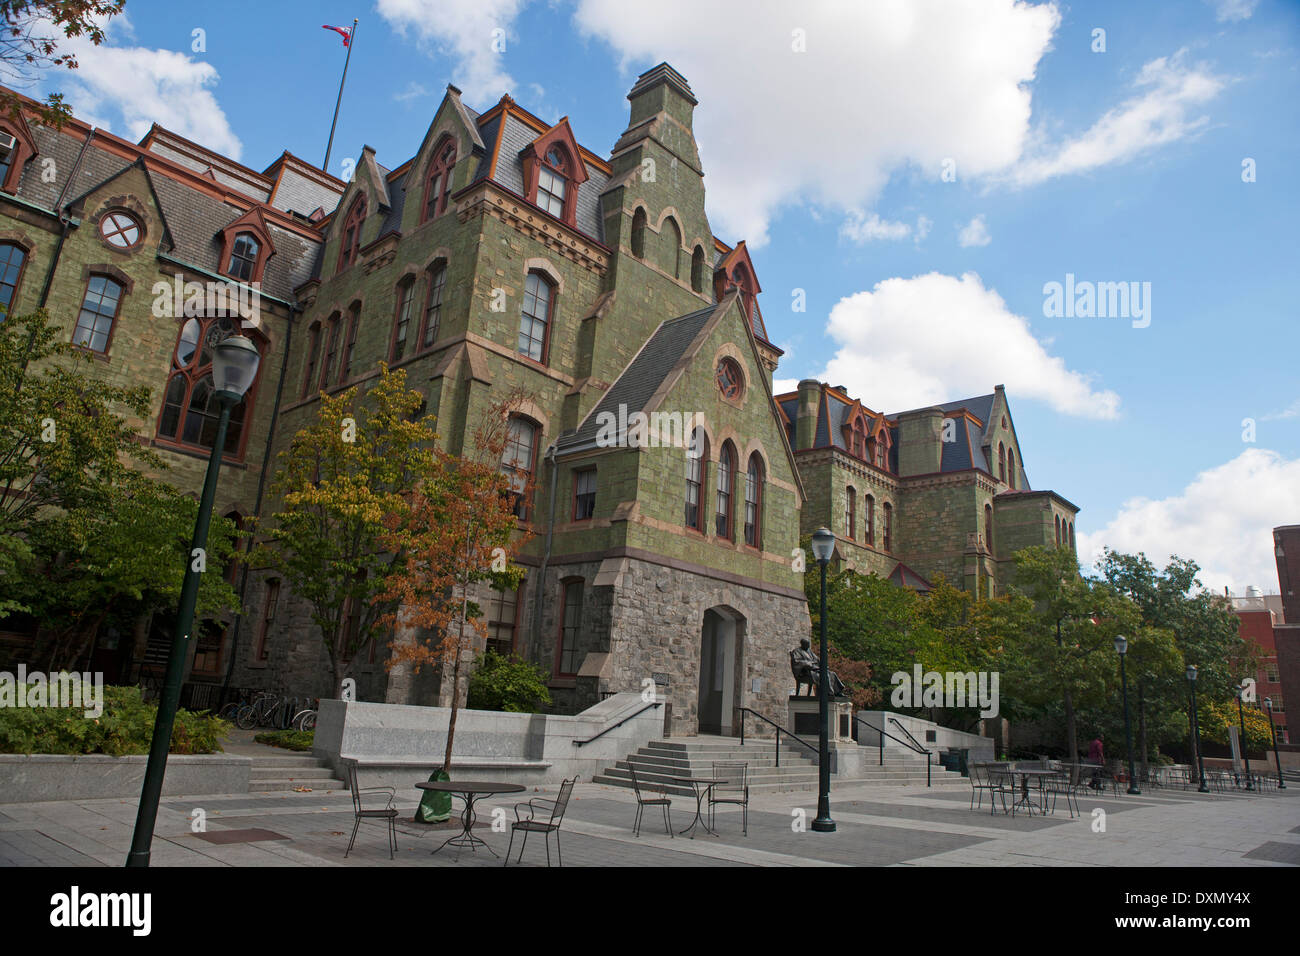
(288, 739)
(509, 684)
(125, 727)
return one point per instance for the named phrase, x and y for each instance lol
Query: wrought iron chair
(534, 824)
(361, 813)
(735, 791)
(1059, 785)
(982, 778)
(659, 798)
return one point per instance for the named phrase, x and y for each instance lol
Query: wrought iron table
(702, 787)
(469, 791)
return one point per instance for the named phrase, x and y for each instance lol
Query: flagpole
(325, 167)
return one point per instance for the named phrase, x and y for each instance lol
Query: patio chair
(658, 798)
(535, 824)
(734, 791)
(361, 813)
(1059, 785)
(985, 777)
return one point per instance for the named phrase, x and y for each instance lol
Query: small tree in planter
(461, 531)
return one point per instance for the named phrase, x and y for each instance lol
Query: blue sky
(825, 132)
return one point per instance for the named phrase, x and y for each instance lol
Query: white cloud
(862, 228)
(974, 233)
(413, 91)
(923, 225)
(782, 385)
(143, 86)
(933, 338)
(882, 87)
(1291, 411)
(1230, 11)
(1157, 115)
(1222, 520)
(476, 33)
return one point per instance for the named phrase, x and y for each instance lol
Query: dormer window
(243, 257)
(552, 183)
(16, 149)
(350, 246)
(8, 143)
(437, 187)
(858, 439)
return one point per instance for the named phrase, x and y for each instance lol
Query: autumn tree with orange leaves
(456, 539)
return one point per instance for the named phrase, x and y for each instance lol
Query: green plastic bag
(435, 806)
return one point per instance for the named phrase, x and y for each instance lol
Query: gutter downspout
(546, 557)
(294, 309)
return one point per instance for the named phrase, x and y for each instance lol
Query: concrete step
(314, 785)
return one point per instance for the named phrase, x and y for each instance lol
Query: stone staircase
(290, 772)
(661, 760)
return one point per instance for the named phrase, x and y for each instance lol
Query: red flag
(346, 33)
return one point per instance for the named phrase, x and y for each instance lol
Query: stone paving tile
(1277, 853)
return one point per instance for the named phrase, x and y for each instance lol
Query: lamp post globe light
(823, 545)
(1196, 730)
(234, 367)
(1268, 703)
(1121, 648)
(1241, 737)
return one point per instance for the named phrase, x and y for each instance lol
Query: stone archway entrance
(721, 666)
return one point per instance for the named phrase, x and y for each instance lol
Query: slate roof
(643, 375)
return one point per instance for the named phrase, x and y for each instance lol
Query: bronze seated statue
(806, 668)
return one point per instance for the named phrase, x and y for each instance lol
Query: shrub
(288, 739)
(509, 684)
(125, 727)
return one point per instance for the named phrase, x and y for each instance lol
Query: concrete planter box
(37, 777)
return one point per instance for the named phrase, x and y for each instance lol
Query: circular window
(119, 230)
(730, 379)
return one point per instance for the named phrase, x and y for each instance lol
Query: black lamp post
(1121, 648)
(1268, 703)
(1241, 737)
(1196, 731)
(234, 366)
(823, 545)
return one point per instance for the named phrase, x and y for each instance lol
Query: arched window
(1002, 462)
(349, 343)
(243, 257)
(402, 323)
(518, 461)
(437, 185)
(858, 439)
(313, 352)
(99, 308)
(12, 258)
(350, 244)
(673, 258)
(850, 506)
(871, 520)
(433, 303)
(553, 181)
(754, 502)
(331, 349)
(1058, 531)
(889, 526)
(697, 456)
(535, 317)
(697, 269)
(988, 527)
(726, 485)
(1011, 468)
(638, 233)
(190, 412)
(881, 452)
(1071, 535)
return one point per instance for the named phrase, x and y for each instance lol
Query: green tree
(29, 43)
(507, 683)
(346, 483)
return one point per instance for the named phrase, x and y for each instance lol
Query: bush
(509, 684)
(288, 739)
(125, 727)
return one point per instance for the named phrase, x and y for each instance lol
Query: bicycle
(305, 720)
(265, 711)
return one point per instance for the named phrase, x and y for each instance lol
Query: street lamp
(1268, 702)
(823, 545)
(1241, 726)
(1121, 648)
(1196, 731)
(234, 366)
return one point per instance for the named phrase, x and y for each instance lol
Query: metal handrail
(917, 744)
(779, 731)
(910, 746)
(583, 743)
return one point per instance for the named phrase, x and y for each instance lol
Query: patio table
(469, 791)
(1025, 774)
(702, 786)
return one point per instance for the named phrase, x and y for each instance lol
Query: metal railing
(779, 731)
(583, 743)
(913, 746)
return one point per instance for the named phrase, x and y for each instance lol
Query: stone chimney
(805, 427)
(920, 441)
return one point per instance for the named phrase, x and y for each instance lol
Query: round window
(120, 230)
(730, 379)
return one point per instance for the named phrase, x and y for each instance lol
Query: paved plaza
(877, 826)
